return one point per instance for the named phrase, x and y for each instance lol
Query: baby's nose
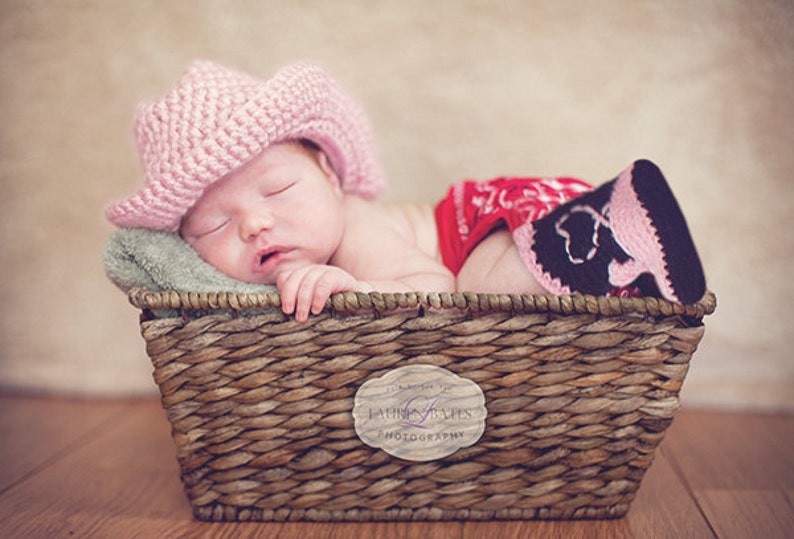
(255, 223)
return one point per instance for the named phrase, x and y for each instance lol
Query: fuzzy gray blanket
(140, 258)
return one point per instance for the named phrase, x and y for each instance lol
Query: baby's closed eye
(279, 188)
(209, 228)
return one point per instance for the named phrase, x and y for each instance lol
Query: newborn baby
(274, 182)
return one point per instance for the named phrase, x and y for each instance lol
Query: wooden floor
(107, 469)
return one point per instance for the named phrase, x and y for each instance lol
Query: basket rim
(352, 302)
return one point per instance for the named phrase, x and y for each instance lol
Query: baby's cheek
(231, 261)
(214, 253)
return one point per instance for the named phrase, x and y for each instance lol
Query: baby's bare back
(493, 266)
(420, 221)
(394, 246)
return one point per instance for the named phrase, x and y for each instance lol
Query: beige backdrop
(455, 89)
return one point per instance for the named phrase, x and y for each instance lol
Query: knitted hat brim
(218, 119)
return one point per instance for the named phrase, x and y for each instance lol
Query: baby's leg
(621, 231)
(495, 266)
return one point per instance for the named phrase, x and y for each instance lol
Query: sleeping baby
(274, 181)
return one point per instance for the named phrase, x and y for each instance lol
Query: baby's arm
(378, 253)
(307, 289)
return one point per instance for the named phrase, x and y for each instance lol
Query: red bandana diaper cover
(474, 209)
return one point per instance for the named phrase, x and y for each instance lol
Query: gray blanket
(140, 258)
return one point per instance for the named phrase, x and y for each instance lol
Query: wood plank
(734, 450)
(739, 468)
(125, 474)
(35, 430)
(663, 507)
(743, 514)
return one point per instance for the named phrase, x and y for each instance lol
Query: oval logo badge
(419, 412)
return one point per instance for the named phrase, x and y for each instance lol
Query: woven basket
(579, 391)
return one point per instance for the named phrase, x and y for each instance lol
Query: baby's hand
(306, 289)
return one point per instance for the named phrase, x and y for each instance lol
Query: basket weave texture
(579, 391)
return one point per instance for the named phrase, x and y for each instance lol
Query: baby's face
(282, 210)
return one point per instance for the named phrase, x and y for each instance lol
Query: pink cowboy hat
(217, 119)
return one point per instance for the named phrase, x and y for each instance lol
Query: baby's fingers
(288, 283)
(315, 288)
(307, 289)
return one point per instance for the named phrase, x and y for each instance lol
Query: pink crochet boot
(628, 228)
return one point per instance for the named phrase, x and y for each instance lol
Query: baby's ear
(325, 166)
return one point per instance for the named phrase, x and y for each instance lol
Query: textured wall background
(455, 89)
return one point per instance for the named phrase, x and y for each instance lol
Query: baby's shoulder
(413, 222)
(394, 214)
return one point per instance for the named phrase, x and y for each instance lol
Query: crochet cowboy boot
(628, 228)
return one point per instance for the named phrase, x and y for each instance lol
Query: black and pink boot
(614, 236)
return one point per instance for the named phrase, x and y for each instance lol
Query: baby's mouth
(266, 261)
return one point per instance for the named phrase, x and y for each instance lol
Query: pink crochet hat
(217, 119)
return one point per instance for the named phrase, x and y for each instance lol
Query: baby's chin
(247, 277)
(255, 279)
